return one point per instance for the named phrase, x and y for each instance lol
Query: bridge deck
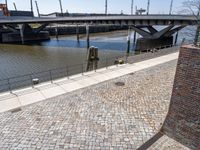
(120, 19)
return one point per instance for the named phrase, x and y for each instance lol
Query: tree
(192, 7)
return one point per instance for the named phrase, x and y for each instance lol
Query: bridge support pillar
(24, 33)
(152, 38)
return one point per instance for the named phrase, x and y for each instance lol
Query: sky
(96, 6)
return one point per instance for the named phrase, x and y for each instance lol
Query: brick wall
(183, 119)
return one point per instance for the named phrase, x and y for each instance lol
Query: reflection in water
(24, 59)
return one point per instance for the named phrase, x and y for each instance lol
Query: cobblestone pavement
(166, 143)
(104, 116)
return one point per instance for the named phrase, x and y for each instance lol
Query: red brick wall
(183, 119)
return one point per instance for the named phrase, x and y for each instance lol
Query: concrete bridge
(115, 19)
(142, 24)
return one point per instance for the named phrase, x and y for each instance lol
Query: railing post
(67, 70)
(31, 81)
(106, 63)
(82, 69)
(9, 86)
(50, 73)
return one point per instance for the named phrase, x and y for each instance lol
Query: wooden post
(176, 39)
(21, 33)
(128, 42)
(56, 32)
(88, 36)
(134, 40)
(77, 33)
(92, 58)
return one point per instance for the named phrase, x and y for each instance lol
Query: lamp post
(148, 5)
(31, 3)
(132, 3)
(106, 7)
(171, 6)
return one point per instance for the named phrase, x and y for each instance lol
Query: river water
(16, 60)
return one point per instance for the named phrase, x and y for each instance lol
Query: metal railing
(24, 81)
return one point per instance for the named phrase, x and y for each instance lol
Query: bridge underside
(22, 33)
(152, 38)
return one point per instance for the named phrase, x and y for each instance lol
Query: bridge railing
(33, 79)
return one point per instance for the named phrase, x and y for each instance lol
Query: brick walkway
(104, 116)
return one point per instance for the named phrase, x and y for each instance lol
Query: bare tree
(192, 7)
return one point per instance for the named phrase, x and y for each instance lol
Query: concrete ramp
(183, 119)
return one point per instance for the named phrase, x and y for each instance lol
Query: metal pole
(148, 5)
(6, 2)
(9, 86)
(31, 3)
(171, 6)
(132, 3)
(37, 9)
(15, 6)
(106, 7)
(61, 9)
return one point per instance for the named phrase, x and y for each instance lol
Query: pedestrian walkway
(23, 97)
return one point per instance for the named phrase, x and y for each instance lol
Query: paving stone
(103, 116)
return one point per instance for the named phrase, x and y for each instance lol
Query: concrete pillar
(92, 58)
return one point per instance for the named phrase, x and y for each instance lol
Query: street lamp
(106, 7)
(148, 5)
(132, 3)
